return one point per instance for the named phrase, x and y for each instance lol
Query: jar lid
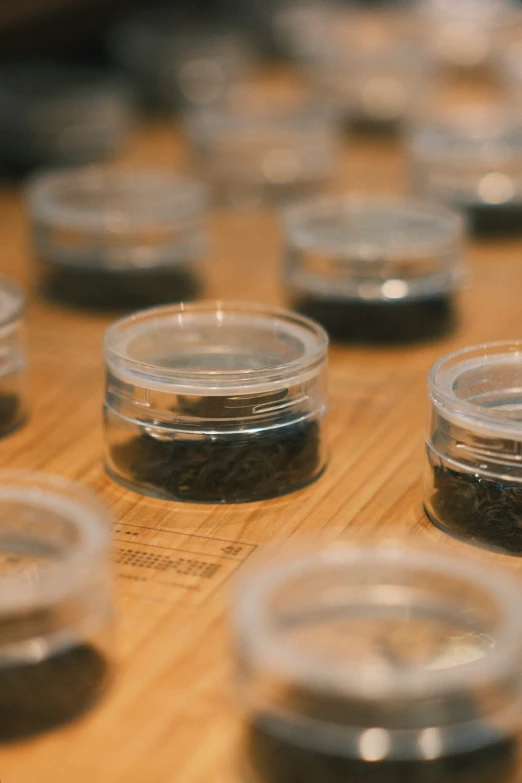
(480, 388)
(373, 247)
(215, 348)
(12, 302)
(52, 532)
(113, 200)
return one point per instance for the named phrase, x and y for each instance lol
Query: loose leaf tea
(279, 752)
(109, 289)
(481, 510)
(224, 468)
(495, 220)
(400, 321)
(35, 697)
(9, 412)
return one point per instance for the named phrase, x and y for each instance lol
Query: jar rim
(12, 302)
(254, 630)
(297, 219)
(175, 199)
(445, 372)
(82, 509)
(309, 343)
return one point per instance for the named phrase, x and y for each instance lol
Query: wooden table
(170, 717)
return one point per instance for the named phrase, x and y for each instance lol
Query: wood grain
(170, 716)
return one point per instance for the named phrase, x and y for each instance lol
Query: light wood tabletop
(170, 716)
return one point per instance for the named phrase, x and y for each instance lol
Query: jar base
(224, 470)
(37, 697)
(100, 289)
(381, 322)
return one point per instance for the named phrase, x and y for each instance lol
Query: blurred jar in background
(176, 64)
(268, 142)
(467, 34)
(371, 68)
(58, 114)
(469, 155)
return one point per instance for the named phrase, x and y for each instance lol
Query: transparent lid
(54, 540)
(403, 640)
(484, 12)
(100, 199)
(480, 388)
(481, 133)
(373, 247)
(215, 348)
(12, 302)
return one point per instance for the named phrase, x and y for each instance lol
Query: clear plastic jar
(378, 666)
(176, 64)
(373, 269)
(471, 157)
(52, 114)
(473, 485)
(374, 87)
(217, 403)
(117, 238)
(13, 359)
(265, 147)
(56, 605)
(466, 35)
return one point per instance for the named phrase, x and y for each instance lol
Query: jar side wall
(225, 467)
(13, 378)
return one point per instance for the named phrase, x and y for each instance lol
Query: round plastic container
(56, 604)
(174, 63)
(13, 360)
(52, 114)
(374, 269)
(471, 157)
(378, 665)
(473, 486)
(265, 146)
(216, 403)
(117, 238)
(466, 35)
(374, 87)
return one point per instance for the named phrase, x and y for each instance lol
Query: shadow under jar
(374, 270)
(110, 238)
(265, 145)
(13, 359)
(55, 114)
(382, 666)
(56, 606)
(471, 158)
(215, 403)
(473, 480)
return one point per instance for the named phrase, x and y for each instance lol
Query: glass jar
(13, 359)
(473, 486)
(265, 145)
(176, 64)
(374, 269)
(470, 156)
(378, 666)
(52, 114)
(216, 403)
(56, 605)
(116, 238)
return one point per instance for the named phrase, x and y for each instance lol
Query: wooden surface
(170, 717)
